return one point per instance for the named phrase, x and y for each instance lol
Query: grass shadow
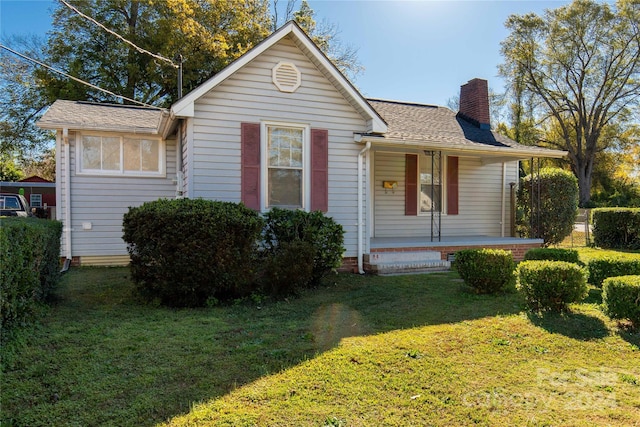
(573, 325)
(152, 363)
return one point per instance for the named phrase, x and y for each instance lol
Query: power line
(139, 49)
(42, 64)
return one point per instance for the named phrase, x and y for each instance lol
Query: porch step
(386, 263)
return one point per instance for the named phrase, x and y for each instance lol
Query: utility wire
(139, 49)
(42, 64)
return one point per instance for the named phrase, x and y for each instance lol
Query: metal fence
(582, 230)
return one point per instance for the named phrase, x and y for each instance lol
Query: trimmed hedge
(553, 254)
(322, 234)
(551, 284)
(621, 298)
(555, 214)
(605, 267)
(616, 228)
(185, 251)
(486, 270)
(30, 254)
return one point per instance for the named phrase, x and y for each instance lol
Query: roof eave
(516, 154)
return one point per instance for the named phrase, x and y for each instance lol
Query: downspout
(504, 198)
(67, 196)
(179, 163)
(360, 210)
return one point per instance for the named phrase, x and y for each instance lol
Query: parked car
(14, 205)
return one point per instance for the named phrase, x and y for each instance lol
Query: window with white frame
(35, 200)
(430, 184)
(286, 170)
(120, 155)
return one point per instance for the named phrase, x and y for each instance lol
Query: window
(430, 182)
(286, 166)
(116, 155)
(35, 200)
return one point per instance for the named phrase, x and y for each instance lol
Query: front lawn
(362, 351)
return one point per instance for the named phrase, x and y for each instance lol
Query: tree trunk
(584, 174)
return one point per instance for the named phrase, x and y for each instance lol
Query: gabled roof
(185, 106)
(439, 128)
(79, 115)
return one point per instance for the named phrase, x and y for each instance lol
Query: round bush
(621, 298)
(185, 251)
(551, 285)
(289, 268)
(603, 267)
(555, 202)
(553, 254)
(486, 270)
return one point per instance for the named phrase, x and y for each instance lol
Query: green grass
(362, 351)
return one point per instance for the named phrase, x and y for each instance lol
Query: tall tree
(580, 65)
(209, 34)
(21, 101)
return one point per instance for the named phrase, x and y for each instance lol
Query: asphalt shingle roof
(106, 117)
(439, 126)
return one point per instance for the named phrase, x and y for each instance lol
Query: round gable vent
(286, 77)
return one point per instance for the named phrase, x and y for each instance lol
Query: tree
(580, 66)
(21, 101)
(209, 34)
(324, 34)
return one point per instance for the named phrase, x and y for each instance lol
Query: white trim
(38, 195)
(306, 159)
(185, 106)
(161, 173)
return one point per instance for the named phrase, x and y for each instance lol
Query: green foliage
(186, 251)
(616, 228)
(621, 298)
(580, 83)
(553, 254)
(208, 34)
(321, 232)
(604, 267)
(555, 203)
(486, 270)
(288, 268)
(30, 253)
(551, 284)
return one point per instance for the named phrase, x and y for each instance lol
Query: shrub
(616, 228)
(602, 268)
(486, 270)
(289, 268)
(30, 253)
(551, 284)
(621, 298)
(553, 254)
(186, 251)
(555, 203)
(322, 233)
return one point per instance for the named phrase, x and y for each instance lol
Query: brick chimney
(474, 103)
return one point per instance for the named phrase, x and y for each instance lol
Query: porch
(388, 255)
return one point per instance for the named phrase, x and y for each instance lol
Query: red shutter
(452, 185)
(319, 170)
(250, 159)
(411, 185)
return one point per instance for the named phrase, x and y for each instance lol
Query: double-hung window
(430, 184)
(120, 155)
(286, 166)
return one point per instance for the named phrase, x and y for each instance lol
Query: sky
(416, 51)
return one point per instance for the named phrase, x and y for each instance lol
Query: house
(39, 192)
(281, 126)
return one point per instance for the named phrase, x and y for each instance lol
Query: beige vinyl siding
(250, 96)
(480, 200)
(103, 201)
